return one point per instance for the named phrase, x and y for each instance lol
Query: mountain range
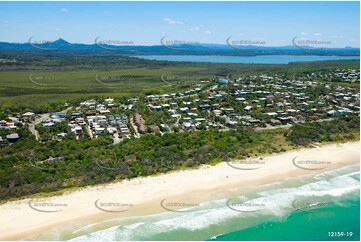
(63, 46)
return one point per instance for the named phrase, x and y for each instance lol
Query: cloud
(5, 21)
(337, 36)
(317, 34)
(64, 10)
(199, 29)
(172, 21)
(352, 40)
(193, 27)
(107, 12)
(175, 22)
(196, 27)
(58, 29)
(303, 33)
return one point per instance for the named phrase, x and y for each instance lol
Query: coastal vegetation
(29, 167)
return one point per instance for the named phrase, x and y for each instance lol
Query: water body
(322, 224)
(337, 219)
(261, 59)
(300, 208)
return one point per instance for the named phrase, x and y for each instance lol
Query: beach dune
(26, 218)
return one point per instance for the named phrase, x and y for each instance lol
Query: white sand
(19, 221)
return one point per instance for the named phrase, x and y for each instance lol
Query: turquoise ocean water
(320, 224)
(301, 208)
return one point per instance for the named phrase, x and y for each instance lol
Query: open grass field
(35, 84)
(31, 89)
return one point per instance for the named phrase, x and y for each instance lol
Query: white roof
(28, 114)
(187, 124)
(12, 136)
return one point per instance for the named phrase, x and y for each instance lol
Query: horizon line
(161, 44)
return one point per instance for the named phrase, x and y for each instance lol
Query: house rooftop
(12, 136)
(28, 114)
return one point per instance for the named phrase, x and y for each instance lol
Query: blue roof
(61, 115)
(223, 81)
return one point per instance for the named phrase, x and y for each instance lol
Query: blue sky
(145, 23)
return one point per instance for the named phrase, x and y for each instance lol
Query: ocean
(260, 59)
(321, 207)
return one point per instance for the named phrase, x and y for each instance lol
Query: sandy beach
(29, 217)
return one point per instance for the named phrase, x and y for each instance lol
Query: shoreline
(144, 195)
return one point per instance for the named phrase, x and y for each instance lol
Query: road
(116, 138)
(137, 135)
(43, 117)
(90, 133)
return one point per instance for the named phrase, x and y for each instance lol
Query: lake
(260, 59)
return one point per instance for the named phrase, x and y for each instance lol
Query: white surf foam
(277, 202)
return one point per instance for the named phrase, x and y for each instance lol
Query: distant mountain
(63, 46)
(61, 41)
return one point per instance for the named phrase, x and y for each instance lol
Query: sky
(336, 24)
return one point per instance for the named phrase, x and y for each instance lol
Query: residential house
(28, 116)
(12, 137)
(248, 108)
(154, 128)
(138, 120)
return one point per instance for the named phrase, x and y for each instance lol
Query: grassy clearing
(32, 89)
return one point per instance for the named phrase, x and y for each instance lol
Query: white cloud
(176, 22)
(317, 34)
(172, 21)
(107, 12)
(58, 29)
(352, 40)
(64, 10)
(198, 28)
(303, 33)
(194, 28)
(337, 36)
